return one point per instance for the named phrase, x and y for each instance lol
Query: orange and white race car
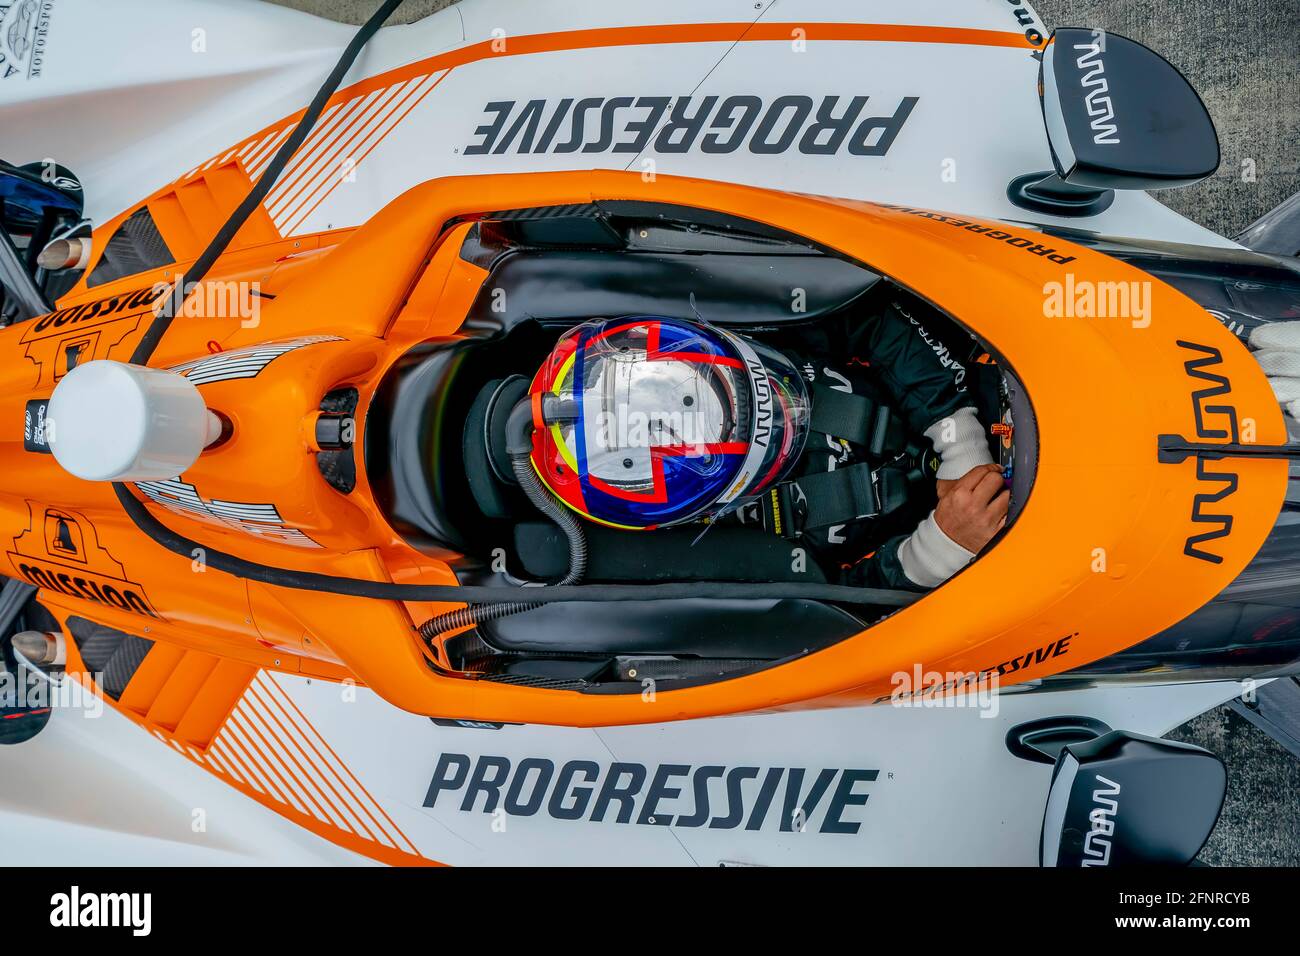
(265, 365)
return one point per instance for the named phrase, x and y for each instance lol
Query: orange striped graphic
(311, 203)
(265, 747)
(321, 175)
(269, 743)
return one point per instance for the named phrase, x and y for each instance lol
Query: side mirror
(1124, 799)
(1118, 116)
(36, 201)
(21, 718)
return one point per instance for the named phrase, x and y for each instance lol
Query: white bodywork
(134, 94)
(940, 786)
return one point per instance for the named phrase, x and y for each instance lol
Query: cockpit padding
(571, 286)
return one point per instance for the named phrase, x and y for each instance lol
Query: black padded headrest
(729, 289)
(487, 464)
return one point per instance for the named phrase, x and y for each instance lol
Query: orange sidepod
(1103, 554)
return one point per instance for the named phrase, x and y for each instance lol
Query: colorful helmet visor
(646, 421)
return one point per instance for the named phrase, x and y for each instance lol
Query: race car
(273, 368)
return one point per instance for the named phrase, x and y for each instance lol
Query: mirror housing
(1124, 800)
(1118, 116)
(1042, 740)
(28, 196)
(38, 202)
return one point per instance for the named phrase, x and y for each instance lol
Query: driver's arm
(925, 384)
(971, 510)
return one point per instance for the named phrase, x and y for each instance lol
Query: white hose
(1277, 346)
(1279, 362)
(1287, 390)
(1277, 335)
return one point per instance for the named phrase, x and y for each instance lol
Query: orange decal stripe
(243, 755)
(261, 157)
(333, 142)
(318, 144)
(302, 721)
(728, 33)
(344, 810)
(273, 765)
(298, 219)
(326, 175)
(324, 807)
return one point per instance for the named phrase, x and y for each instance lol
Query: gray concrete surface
(1260, 825)
(1243, 57)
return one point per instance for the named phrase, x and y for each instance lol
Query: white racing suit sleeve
(959, 440)
(929, 557)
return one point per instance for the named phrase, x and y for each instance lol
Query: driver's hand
(973, 508)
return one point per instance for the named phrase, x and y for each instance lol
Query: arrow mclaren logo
(1206, 402)
(788, 799)
(1096, 846)
(683, 124)
(1100, 107)
(762, 401)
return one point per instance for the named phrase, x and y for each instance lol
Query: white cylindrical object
(109, 421)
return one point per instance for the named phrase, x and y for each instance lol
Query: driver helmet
(646, 421)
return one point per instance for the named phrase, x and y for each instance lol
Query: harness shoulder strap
(858, 418)
(833, 497)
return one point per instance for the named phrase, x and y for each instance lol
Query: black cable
(148, 343)
(568, 522)
(519, 431)
(460, 594)
(387, 591)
